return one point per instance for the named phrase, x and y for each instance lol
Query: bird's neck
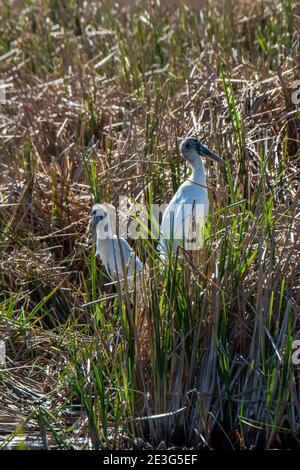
(198, 172)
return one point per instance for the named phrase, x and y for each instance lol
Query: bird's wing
(188, 207)
(130, 257)
(181, 207)
(121, 252)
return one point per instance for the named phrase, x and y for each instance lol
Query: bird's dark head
(98, 214)
(191, 147)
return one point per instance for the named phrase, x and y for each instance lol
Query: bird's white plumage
(184, 218)
(115, 252)
(180, 216)
(118, 258)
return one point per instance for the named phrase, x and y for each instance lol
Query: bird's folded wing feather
(122, 253)
(181, 209)
(179, 216)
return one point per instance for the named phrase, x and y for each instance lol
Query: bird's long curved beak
(208, 153)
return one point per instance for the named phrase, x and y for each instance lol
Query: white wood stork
(115, 252)
(184, 218)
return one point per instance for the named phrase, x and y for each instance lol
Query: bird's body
(115, 252)
(184, 218)
(118, 258)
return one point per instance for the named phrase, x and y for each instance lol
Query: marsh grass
(99, 97)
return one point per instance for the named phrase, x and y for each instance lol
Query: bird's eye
(187, 145)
